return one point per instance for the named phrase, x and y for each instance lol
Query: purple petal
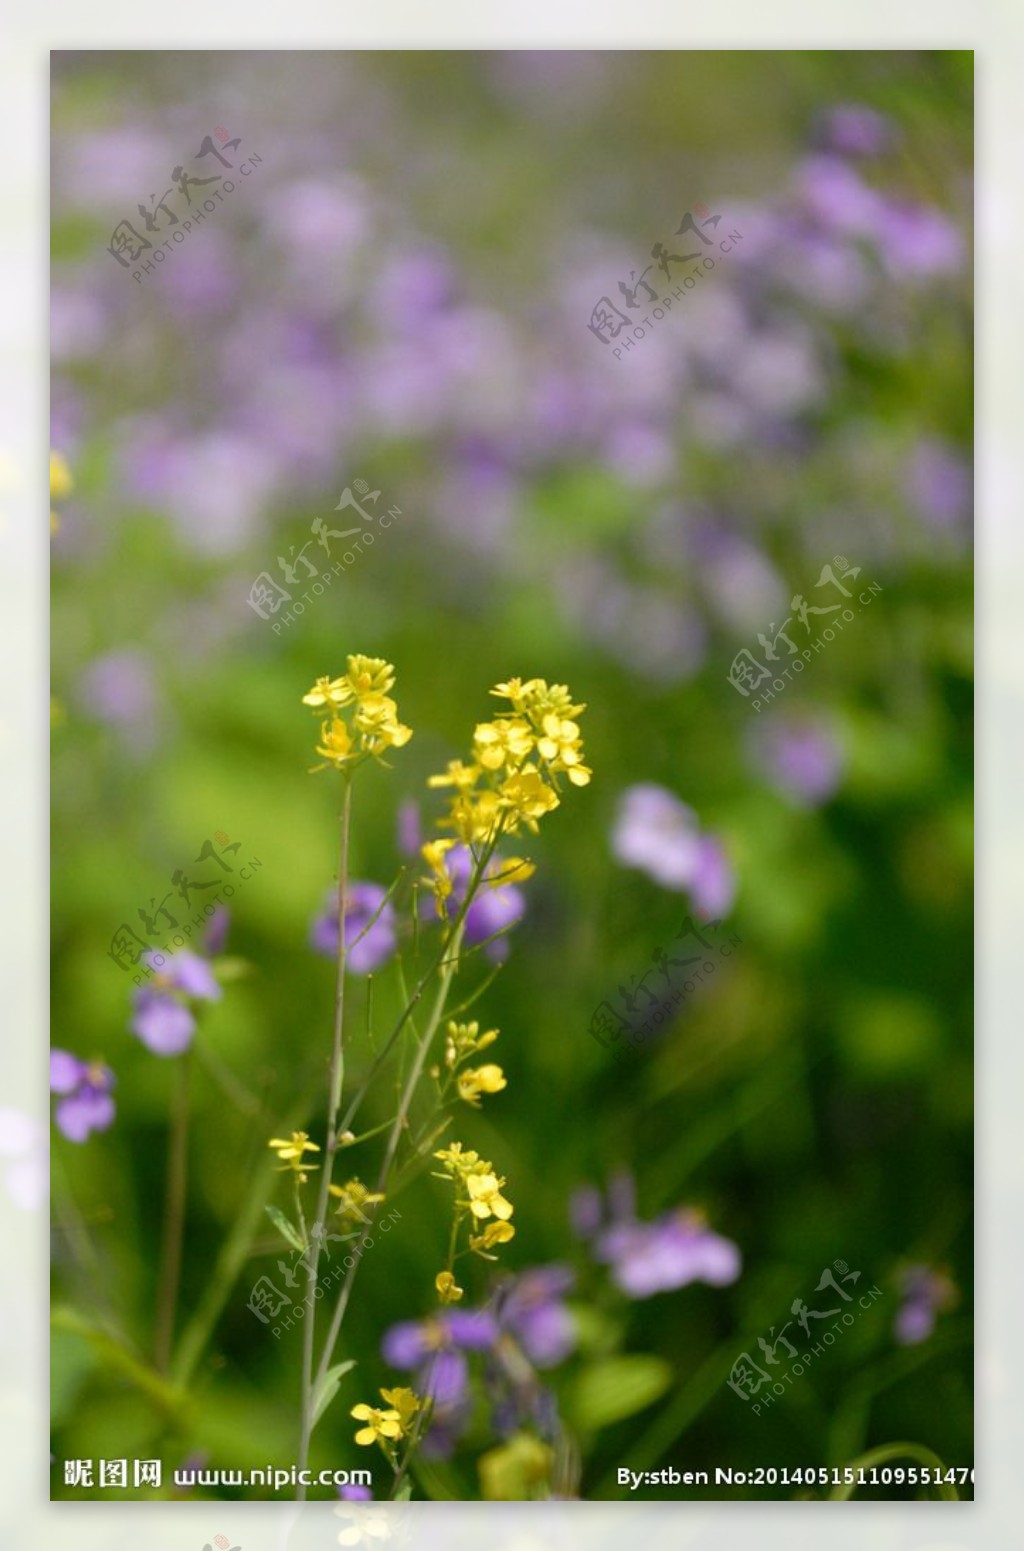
(66, 1071)
(163, 1024)
(914, 1322)
(713, 886)
(445, 1377)
(405, 1345)
(217, 931)
(585, 1211)
(475, 1330)
(193, 975)
(657, 833)
(84, 1112)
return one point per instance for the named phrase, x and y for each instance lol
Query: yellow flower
(485, 1198)
(370, 674)
(330, 692)
(381, 1425)
(405, 1401)
(504, 742)
(480, 1079)
(496, 1232)
(290, 1153)
(474, 817)
(337, 742)
(370, 724)
(560, 740)
(462, 777)
(465, 1039)
(352, 1197)
(376, 719)
(459, 1161)
(509, 869)
(447, 1289)
(527, 797)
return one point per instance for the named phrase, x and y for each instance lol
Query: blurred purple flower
(839, 199)
(355, 1493)
(162, 1017)
(802, 759)
(918, 240)
(496, 907)
(363, 901)
(120, 688)
(435, 1349)
(926, 1294)
(650, 1257)
(216, 932)
(939, 484)
(853, 130)
(531, 1307)
(656, 832)
(23, 1142)
(86, 1105)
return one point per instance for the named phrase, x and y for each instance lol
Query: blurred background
(395, 298)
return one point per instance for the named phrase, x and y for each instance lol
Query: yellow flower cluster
(462, 1041)
(290, 1153)
(518, 758)
(352, 1197)
(361, 718)
(478, 1193)
(386, 1425)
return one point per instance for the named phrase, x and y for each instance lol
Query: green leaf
(285, 1227)
(616, 1388)
(329, 1388)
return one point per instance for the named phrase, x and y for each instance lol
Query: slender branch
(174, 1217)
(398, 1126)
(331, 1141)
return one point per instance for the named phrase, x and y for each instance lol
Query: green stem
(918, 1451)
(232, 1257)
(437, 1013)
(174, 1217)
(331, 1143)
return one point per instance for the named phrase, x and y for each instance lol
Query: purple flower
(435, 1349)
(532, 1309)
(656, 832)
(120, 688)
(801, 759)
(926, 1293)
(367, 946)
(918, 240)
(496, 907)
(838, 197)
(853, 130)
(86, 1105)
(651, 1257)
(355, 1493)
(939, 484)
(162, 1017)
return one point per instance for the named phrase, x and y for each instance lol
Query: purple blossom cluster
(657, 833)
(371, 924)
(645, 1258)
(163, 1018)
(355, 329)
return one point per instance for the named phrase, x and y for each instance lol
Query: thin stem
(436, 1014)
(331, 1142)
(174, 1217)
(438, 963)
